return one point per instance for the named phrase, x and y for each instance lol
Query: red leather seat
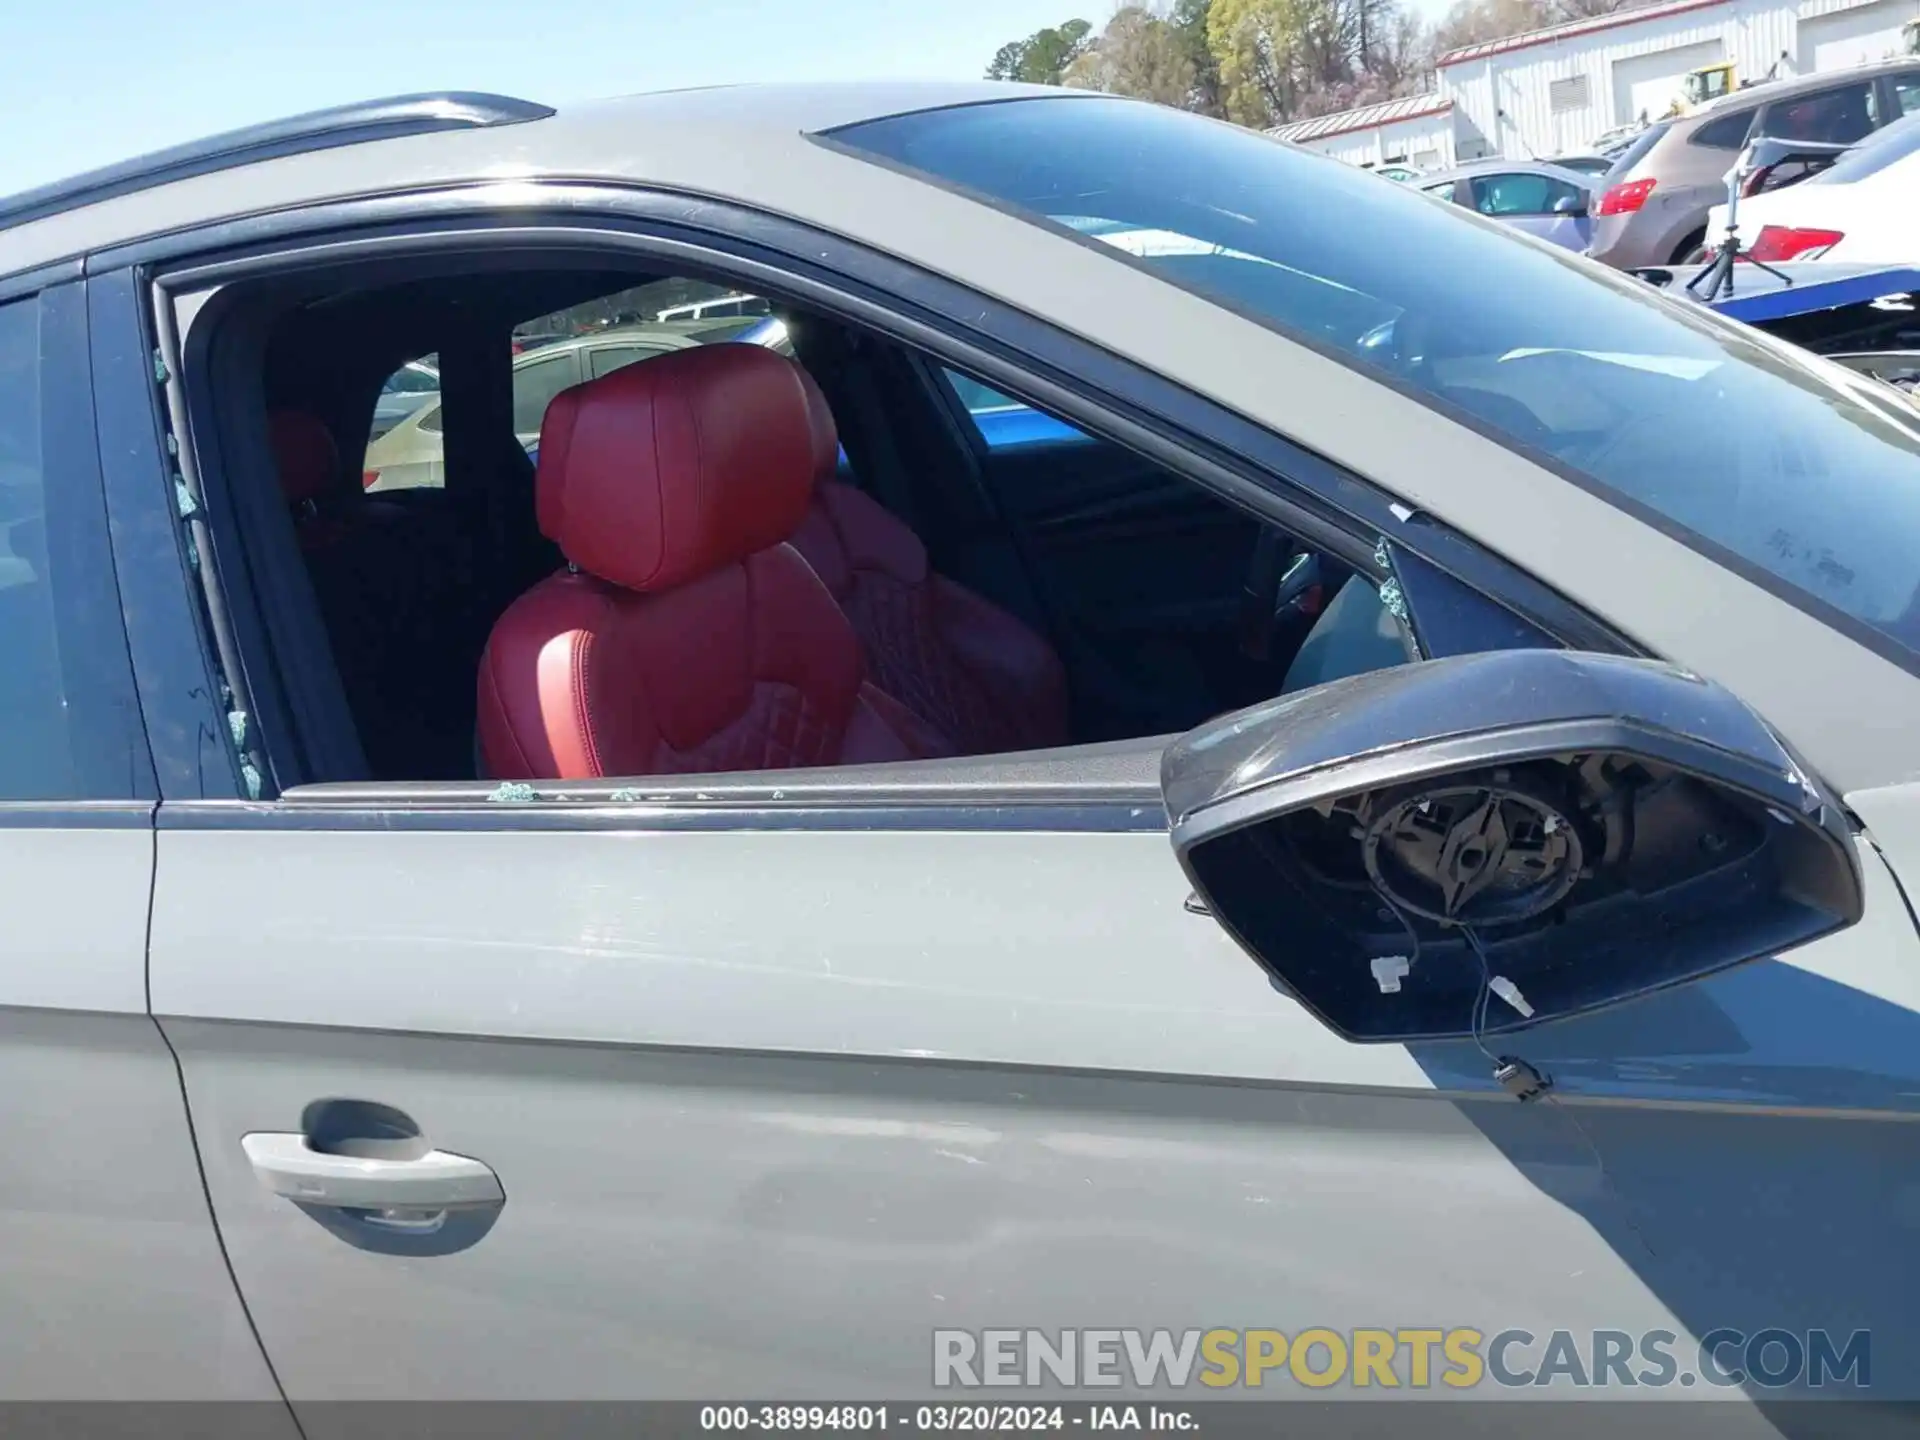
(684, 636)
(326, 509)
(309, 465)
(962, 664)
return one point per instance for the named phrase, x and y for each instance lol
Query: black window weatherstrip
(1858, 631)
(177, 687)
(1005, 346)
(104, 730)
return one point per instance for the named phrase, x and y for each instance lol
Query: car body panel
(1569, 232)
(1812, 286)
(739, 144)
(112, 1282)
(1593, 166)
(1892, 817)
(753, 1149)
(1011, 427)
(1473, 186)
(774, 1089)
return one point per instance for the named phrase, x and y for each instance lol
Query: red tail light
(368, 478)
(1627, 198)
(1775, 243)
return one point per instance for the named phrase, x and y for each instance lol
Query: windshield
(1637, 151)
(1873, 154)
(1789, 470)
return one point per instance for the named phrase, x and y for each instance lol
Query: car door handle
(435, 1181)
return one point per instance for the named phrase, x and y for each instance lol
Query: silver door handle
(435, 1181)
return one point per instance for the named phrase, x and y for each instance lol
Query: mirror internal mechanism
(1473, 851)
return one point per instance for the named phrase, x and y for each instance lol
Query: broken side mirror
(1476, 845)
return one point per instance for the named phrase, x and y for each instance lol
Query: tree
(1558, 11)
(1252, 41)
(1402, 52)
(1474, 22)
(1189, 22)
(1260, 62)
(1278, 57)
(1138, 54)
(1043, 57)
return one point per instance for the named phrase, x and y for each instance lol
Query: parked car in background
(1654, 205)
(1612, 142)
(414, 385)
(722, 307)
(1595, 164)
(1542, 199)
(1863, 207)
(1397, 172)
(1866, 316)
(409, 454)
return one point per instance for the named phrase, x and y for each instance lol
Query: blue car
(1004, 423)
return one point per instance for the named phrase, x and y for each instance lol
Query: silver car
(1364, 843)
(1543, 198)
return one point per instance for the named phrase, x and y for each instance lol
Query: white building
(1557, 90)
(1419, 131)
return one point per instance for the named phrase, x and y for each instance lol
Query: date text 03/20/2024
(943, 1418)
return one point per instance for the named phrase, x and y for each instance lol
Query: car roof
(1509, 167)
(646, 138)
(1763, 91)
(1674, 157)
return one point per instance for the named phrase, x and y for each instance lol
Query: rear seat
(395, 589)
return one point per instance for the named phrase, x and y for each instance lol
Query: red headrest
(303, 449)
(663, 471)
(826, 437)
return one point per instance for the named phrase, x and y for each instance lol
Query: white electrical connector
(1509, 992)
(1389, 971)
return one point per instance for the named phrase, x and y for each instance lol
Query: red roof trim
(1558, 33)
(1442, 108)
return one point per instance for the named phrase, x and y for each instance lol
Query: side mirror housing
(1477, 845)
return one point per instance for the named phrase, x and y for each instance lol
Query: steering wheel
(1399, 346)
(1282, 579)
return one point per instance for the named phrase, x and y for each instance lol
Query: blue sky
(89, 81)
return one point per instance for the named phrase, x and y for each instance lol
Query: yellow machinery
(1707, 83)
(1704, 85)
